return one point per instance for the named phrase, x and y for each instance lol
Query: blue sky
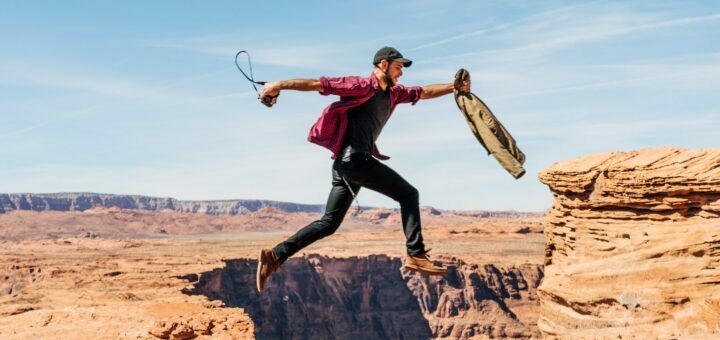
(143, 97)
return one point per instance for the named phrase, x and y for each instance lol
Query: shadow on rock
(322, 298)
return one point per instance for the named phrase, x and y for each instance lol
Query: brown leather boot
(268, 263)
(421, 263)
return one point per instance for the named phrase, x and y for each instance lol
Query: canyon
(372, 297)
(181, 284)
(629, 249)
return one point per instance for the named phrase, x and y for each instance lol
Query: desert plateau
(629, 249)
(114, 271)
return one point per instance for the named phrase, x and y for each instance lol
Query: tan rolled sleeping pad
(487, 129)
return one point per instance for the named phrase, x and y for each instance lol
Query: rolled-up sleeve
(408, 94)
(344, 86)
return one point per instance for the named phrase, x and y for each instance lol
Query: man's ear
(383, 64)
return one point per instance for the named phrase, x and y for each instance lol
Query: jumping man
(349, 128)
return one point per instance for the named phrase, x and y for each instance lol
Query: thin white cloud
(551, 14)
(83, 80)
(50, 121)
(599, 34)
(119, 89)
(626, 129)
(564, 37)
(318, 56)
(21, 74)
(688, 74)
(508, 83)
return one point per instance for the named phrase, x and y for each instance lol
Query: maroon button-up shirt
(330, 129)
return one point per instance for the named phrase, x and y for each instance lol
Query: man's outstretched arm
(272, 89)
(434, 91)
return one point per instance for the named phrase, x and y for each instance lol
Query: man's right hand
(272, 90)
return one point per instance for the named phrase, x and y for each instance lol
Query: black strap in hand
(267, 100)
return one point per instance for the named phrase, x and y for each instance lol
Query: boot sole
(257, 272)
(424, 271)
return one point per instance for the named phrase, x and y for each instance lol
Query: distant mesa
(86, 201)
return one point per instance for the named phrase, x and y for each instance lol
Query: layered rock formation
(85, 201)
(633, 246)
(64, 202)
(89, 286)
(370, 298)
(14, 277)
(111, 289)
(479, 301)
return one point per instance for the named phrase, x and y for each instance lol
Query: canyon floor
(87, 280)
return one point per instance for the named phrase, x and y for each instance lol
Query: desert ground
(129, 274)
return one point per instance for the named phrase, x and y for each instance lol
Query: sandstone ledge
(657, 184)
(633, 245)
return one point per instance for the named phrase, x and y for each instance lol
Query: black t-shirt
(366, 121)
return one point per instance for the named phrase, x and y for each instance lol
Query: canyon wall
(371, 297)
(633, 246)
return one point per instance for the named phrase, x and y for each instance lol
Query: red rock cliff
(317, 297)
(633, 245)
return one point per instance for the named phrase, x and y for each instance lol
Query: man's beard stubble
(388, 80)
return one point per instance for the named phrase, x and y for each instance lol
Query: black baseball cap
(390, 54)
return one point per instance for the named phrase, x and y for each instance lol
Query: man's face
(395, 71)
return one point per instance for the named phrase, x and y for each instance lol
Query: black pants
(360, 170)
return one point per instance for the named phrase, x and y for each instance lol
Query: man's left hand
(465, 86)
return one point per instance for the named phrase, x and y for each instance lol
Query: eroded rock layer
(633, 245)
(318, 297)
